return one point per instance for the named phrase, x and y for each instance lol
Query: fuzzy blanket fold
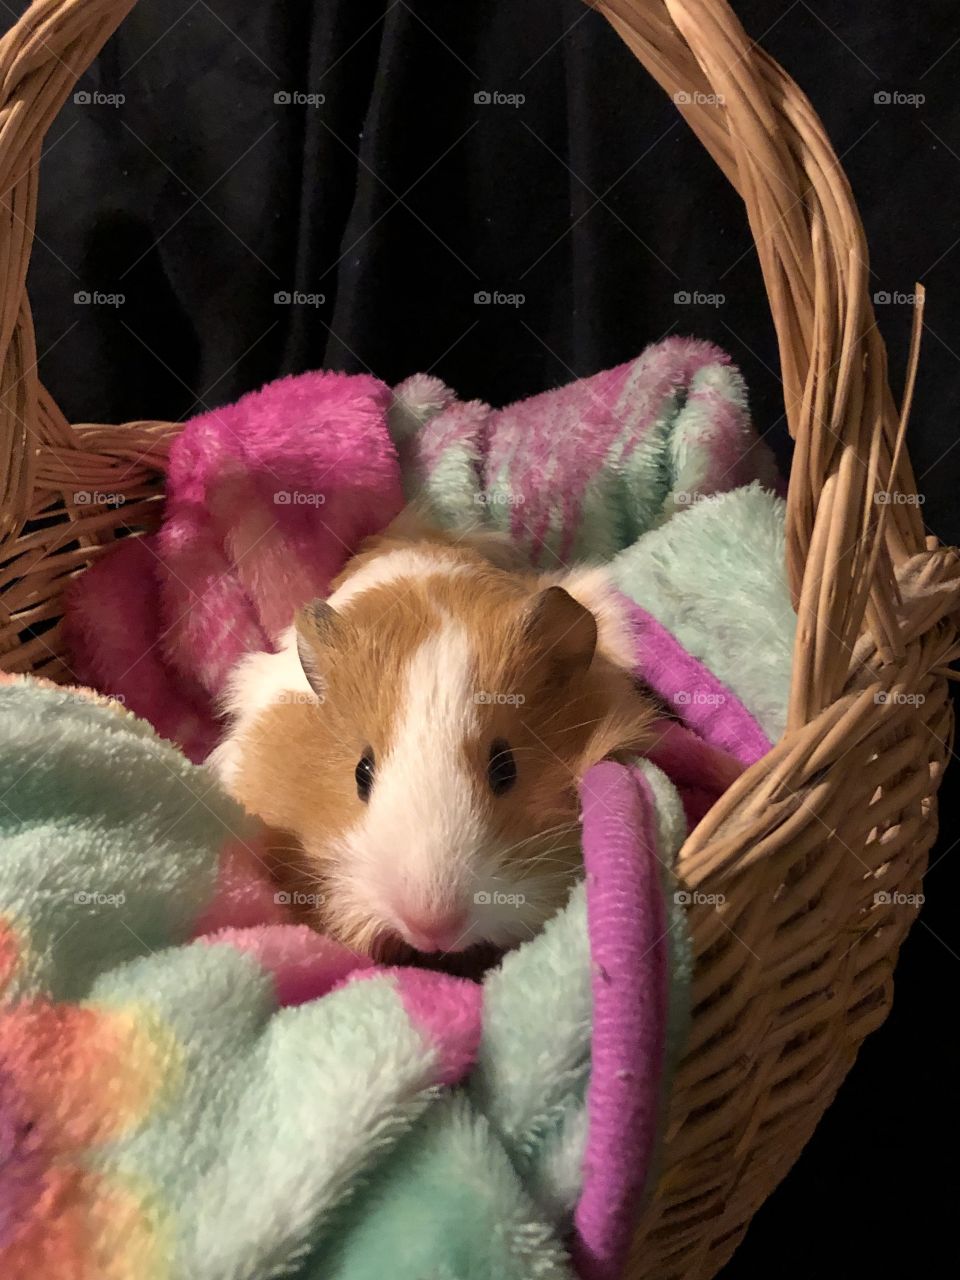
(193, 1086)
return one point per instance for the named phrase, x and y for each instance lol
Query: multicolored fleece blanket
(193, 1086)
(268, 497)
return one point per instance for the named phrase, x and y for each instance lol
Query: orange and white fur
(418, 740)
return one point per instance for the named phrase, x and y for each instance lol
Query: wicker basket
(819, 848)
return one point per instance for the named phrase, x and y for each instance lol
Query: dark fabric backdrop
(202, 196)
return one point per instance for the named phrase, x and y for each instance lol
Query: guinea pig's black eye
(364, 774)
(501, 767)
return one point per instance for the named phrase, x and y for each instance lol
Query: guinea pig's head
(428, 772)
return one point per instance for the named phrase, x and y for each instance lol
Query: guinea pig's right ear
(317, 625)
(564, 631)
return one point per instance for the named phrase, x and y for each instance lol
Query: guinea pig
(419, 737)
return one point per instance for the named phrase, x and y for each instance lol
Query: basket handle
(41, 58)
(765, 136)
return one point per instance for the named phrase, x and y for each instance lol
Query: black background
(200, 197)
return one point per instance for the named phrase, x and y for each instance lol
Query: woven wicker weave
(815, 846)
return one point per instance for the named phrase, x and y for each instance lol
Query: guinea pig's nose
(435, 930)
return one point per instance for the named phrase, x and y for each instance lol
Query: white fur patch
(415, 847)
(255, 683)
(404, 562)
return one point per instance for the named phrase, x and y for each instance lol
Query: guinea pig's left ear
(317, 624)
(562, 629)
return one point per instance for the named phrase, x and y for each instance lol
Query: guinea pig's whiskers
(532, 876)
(566, 707)
(536, 862)
(569, 728)
(544, 860)
(561, 841)
(549, 721)
(557, 828)
(539, 835)
(567, 869)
